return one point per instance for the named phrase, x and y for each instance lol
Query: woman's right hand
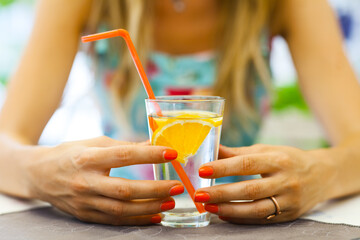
(74, 177)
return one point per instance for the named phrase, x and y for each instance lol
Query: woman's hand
(74, 177)
(297, 179)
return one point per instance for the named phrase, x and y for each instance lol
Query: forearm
(343, 163)
(14, 156)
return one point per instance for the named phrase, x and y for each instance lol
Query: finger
(240, 165)
(124, 155)
(103, 218)
(245, 190)
(227, 152)
(258, 209)
(130, 208)
(125, 189)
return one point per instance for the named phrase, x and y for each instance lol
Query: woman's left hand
(297, 179)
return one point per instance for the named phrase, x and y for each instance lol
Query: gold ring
(277, 208)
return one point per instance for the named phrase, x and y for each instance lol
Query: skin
(77, 183)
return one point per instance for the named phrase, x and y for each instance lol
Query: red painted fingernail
(156, 219)
(206, 171)
(170, 154)
(201, 197)
(213, 208)
(167, 205)
(176, 190)
(223, 218)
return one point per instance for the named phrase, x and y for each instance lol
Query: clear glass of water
(192, 126)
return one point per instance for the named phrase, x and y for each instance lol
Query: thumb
(227, 152)
(125, 155)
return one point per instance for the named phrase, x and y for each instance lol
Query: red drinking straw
(125, 35)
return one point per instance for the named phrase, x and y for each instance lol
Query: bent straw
(125, 35)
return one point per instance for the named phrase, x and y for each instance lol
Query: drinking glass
(192, 126)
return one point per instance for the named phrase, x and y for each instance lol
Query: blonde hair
(240, 57)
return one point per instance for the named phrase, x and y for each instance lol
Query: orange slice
(183, 135)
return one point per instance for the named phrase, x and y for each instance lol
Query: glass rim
(186, 98)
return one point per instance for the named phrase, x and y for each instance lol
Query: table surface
(49, 223)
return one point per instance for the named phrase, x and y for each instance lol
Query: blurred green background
(3, 3)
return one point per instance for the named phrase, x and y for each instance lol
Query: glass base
(185, 219)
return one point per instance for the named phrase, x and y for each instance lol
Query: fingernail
(176, 190)
(206, 171)
(167, 205)
(170, 154)
(156, 219)
(201, 197)
(223, 218)
(213, 208)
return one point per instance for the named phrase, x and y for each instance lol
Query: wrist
(14, 160)
(29, 170)
(343, 167)
(328, 173)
